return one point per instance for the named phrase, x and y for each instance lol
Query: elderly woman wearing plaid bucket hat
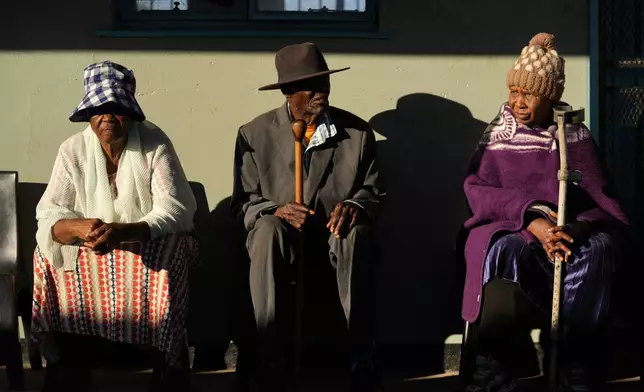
(513, 237)
(113, 238)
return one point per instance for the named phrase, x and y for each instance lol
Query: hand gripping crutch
(563, 115)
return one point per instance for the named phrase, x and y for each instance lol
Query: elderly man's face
(110, 123)
(528, 108)
(309, 97)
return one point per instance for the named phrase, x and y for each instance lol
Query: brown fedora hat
(298, 62)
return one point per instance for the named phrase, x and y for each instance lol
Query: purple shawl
(514, 168)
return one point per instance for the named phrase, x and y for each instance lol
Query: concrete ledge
(622, 358)
(241, 33)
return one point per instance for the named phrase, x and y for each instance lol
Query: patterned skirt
(126, 296)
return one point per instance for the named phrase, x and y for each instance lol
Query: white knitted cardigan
(152, 188)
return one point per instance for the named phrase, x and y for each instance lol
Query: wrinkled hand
(83, 228)
(343, 218)
(555, 241)
(105, 238)
(295, 214)
(575, 229)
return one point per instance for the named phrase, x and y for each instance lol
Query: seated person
(512, 191)
(114, 239)
(341, 199)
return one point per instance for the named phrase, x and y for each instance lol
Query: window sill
(240, 33)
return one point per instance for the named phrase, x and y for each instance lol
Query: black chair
(10, 350)
(506, 298)
(29, 194)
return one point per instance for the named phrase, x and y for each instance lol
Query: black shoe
(365, 375)
(490, 376)
(241, 384)
(575, 377)
(209, 357)
(273, 374)
(167, 379)
(59, 377)
(54, 379)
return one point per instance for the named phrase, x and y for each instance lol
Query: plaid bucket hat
(108, 82)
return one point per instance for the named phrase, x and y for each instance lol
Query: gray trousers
(272, 249)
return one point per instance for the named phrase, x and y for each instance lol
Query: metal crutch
(563, 115)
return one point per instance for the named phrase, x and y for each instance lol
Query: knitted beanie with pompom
(539, 69)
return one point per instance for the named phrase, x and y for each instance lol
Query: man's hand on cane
(295, 214)
(343, 218)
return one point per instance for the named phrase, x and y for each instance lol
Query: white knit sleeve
(56, 203)
(173, 203)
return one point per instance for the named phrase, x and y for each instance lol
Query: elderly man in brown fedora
(342, 195)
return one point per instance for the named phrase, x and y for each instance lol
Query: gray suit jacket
(343, 168)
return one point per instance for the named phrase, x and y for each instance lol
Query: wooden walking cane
(299, 127)
(563, 115)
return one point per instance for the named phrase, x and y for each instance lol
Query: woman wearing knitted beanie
(512, 235)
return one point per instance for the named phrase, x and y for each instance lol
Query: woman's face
(110, 122)
(530, 109)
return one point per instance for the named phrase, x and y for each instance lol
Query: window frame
(246, 16)
(254, 13)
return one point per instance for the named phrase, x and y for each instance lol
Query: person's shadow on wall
(429, 140)
(212, 318)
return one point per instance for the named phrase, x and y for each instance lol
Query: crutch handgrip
(569, 115)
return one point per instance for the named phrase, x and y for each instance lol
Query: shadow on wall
(211, 284)
(429, 142)
(214, 281)
(411, 27)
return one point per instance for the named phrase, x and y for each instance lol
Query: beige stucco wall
(201, 97)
